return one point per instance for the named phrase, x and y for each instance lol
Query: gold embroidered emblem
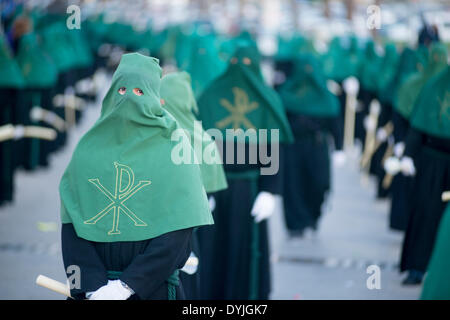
(121, 194)
(241, 107)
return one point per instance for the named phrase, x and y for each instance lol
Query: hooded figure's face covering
(122, 183)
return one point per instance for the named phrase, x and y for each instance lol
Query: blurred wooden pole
(326, 9)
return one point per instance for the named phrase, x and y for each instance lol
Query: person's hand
(407, 165)
(382, 135)
(369, 124)
(113, 290)
(399, 148)
(392, 165)
(191, 265)
(263, 207)
(212, 203)
(339, 158)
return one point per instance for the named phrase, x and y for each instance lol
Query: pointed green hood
(410, 90)
(38, 69)
(122, 183)
(180, 102)
(431, 112)
(240, 99)
(10, 74)
(306, 91)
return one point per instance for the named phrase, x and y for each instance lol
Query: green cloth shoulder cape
(306, 91)
(369, 67)
(412, 86)
(437, 280)
(10, 74)
(431, 112)
(121, 183)
(239, 99)
(179, 101)
(38, 69)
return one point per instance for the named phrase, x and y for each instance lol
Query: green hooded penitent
(38, 69)
(239, 99)
(431, 112)
(306, 91)
(180, 102)
(412, 86)
(387, 72)
(437, 280)
(121, 183)
(10, 75)
(369, 67)
(203, 63)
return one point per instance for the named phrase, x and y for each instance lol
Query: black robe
(234, 252)
(401, 186)
(306, 164)
(145, 266)
(432, 161)
(8, 98)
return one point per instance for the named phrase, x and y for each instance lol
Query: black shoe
(414, 278)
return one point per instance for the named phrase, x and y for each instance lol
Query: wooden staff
(369, 144)
(446, 196)
(70, 103)
(387, 179)
(351, 87)
(369, 150)
(8, 132)
(53, 285)
(40, 114)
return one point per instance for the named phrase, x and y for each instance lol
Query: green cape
(387, 72)
(431, 112)
(412, 86)
(58, 46)
(369, 67)
(306, 91)
(180, 102)
(10, 74)
(203, 63)
(437, 280)
(408, 65)
(123, 166)
(38, 69)
(240, 99)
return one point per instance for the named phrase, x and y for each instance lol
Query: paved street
(329, 265)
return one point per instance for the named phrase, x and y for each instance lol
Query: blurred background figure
(358, 90)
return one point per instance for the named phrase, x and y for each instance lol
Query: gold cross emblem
(445, 105)
(241, 107)
(121, 194)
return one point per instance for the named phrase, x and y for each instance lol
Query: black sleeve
(385, 114)
(273, 183)
(335, 125)
(401, 126)
(82, 253)
(413, 143)
(158, 262)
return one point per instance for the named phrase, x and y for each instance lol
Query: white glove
(339, 158)
(212, 203)
(369, 123)
(407, 166)
(392, 165)
(114, 290)
(399, 148)
(191, 265)
(264, 206)
(382, 135)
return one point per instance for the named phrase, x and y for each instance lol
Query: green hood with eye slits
(122, 183)
(239, 99)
